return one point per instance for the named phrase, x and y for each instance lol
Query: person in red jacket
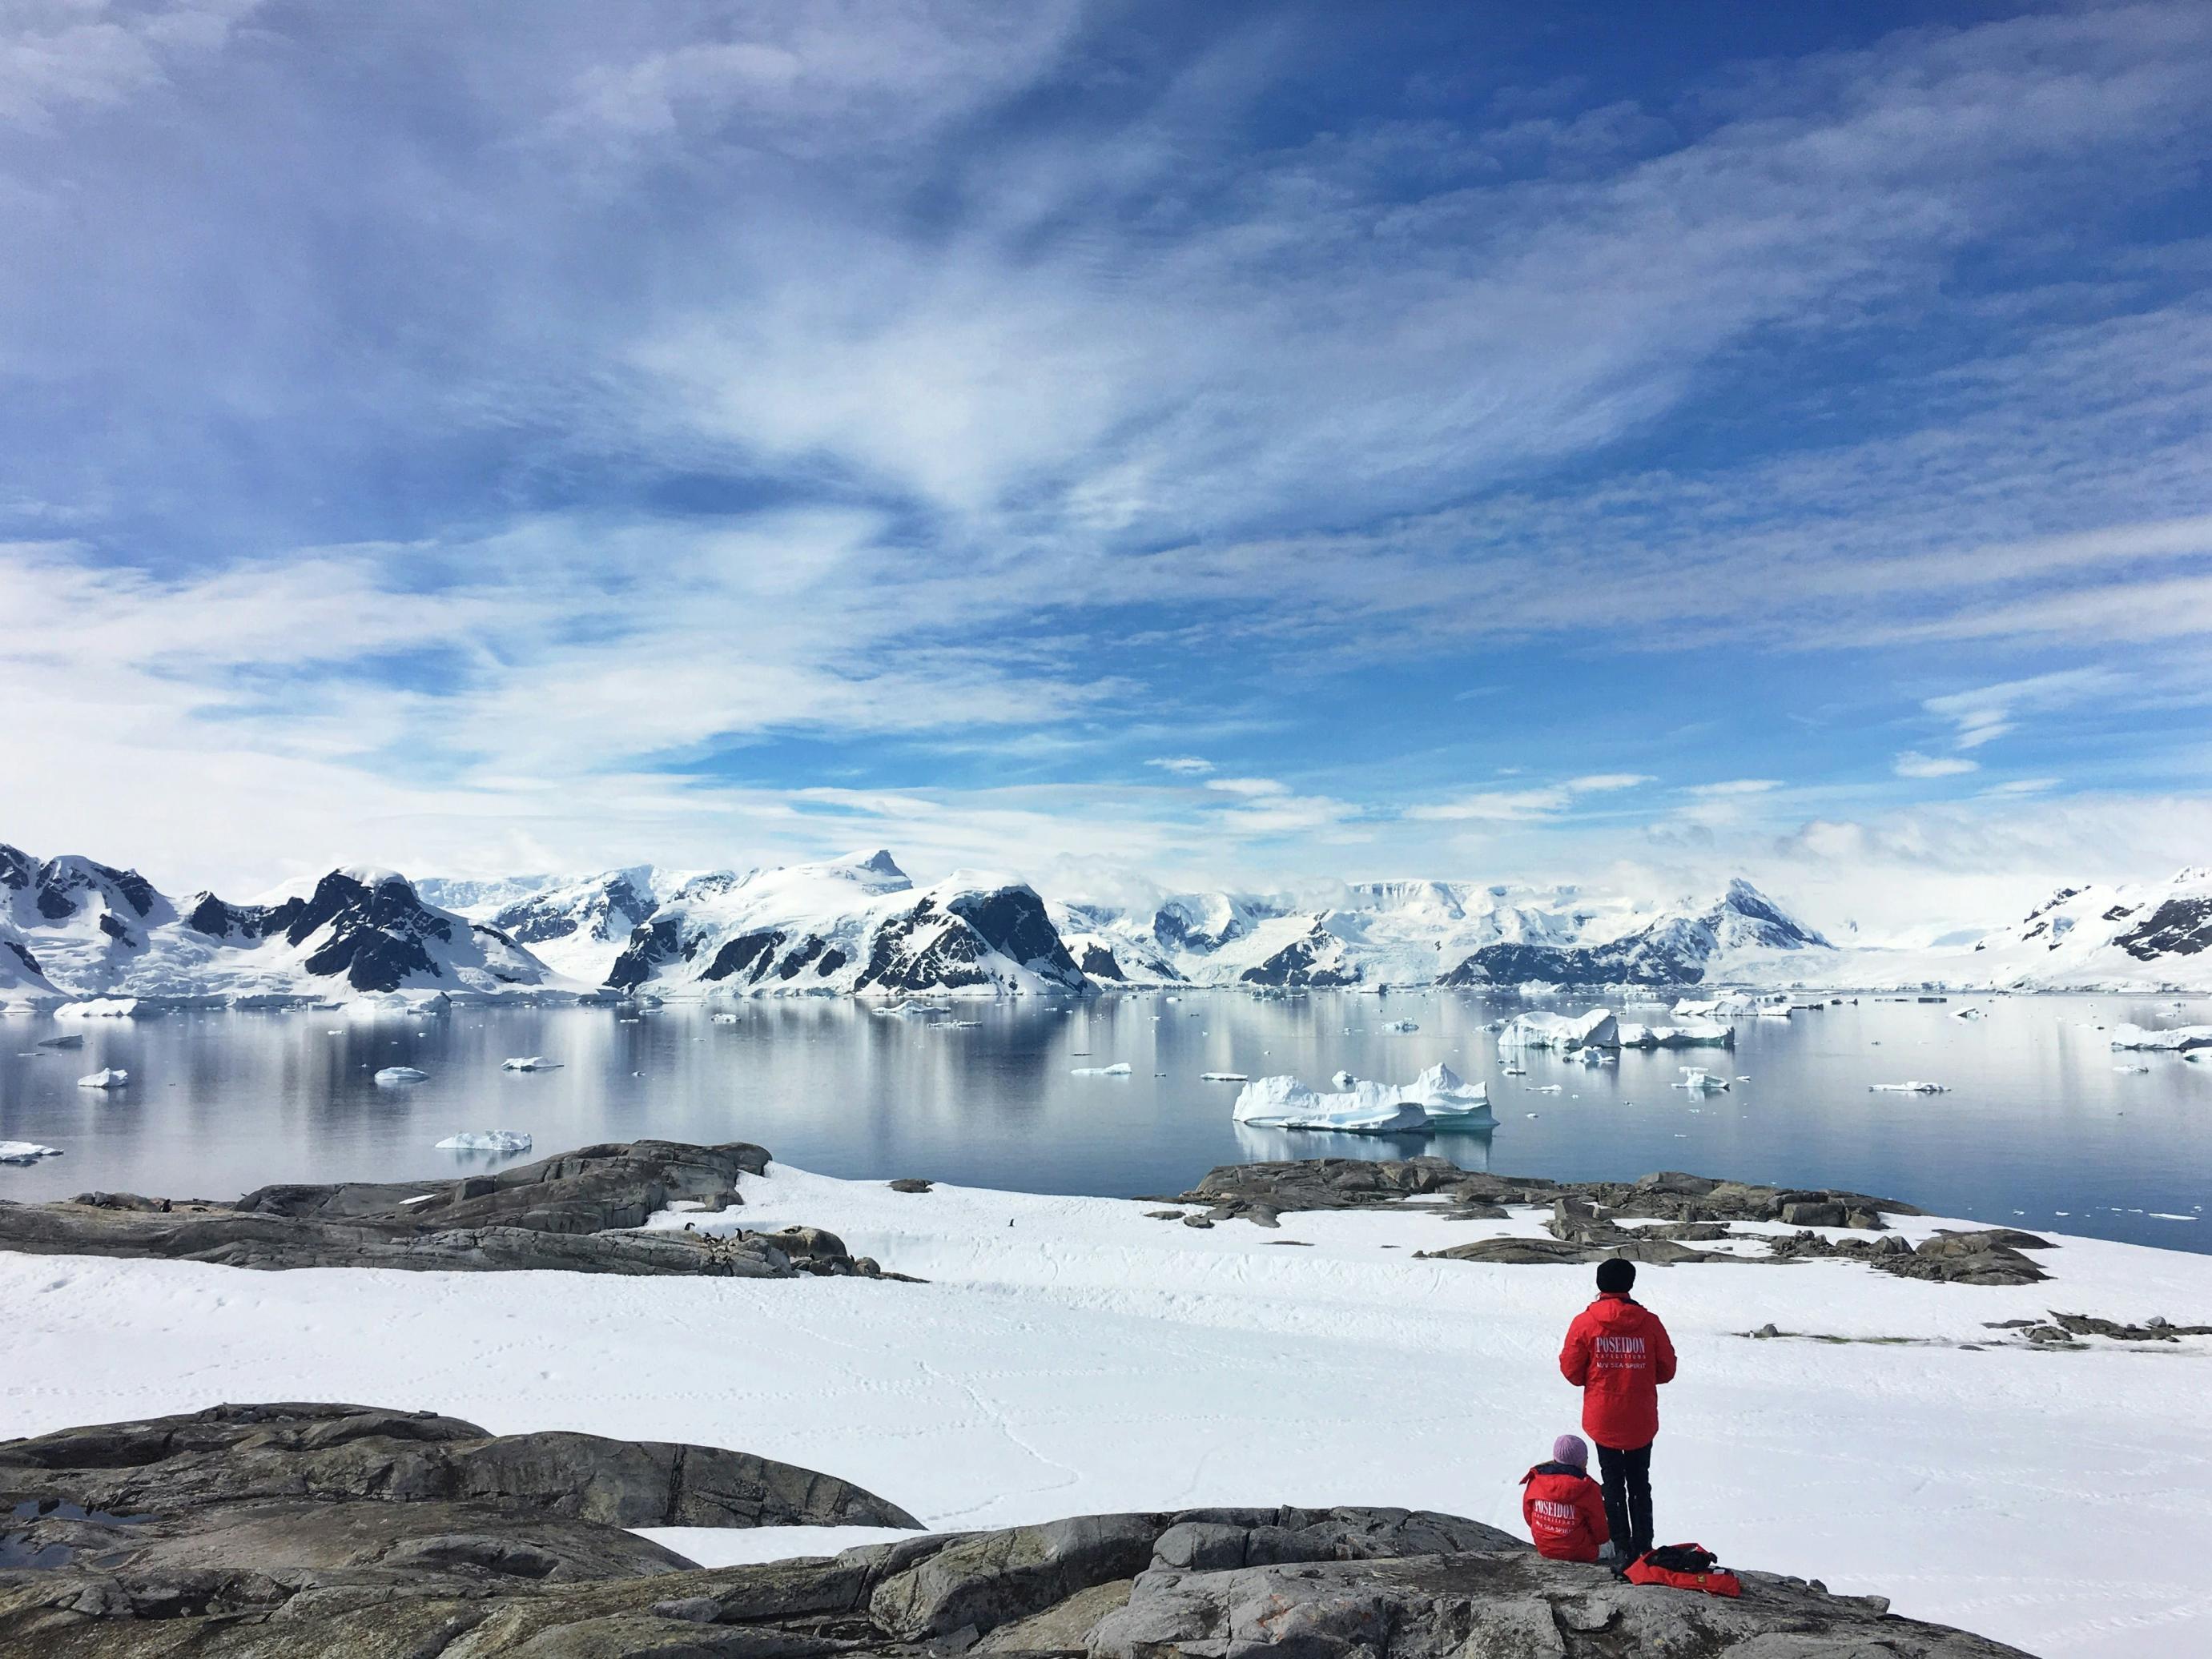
(1564, 1510)
(1617, 1354)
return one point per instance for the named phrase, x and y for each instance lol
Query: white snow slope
(1084, 1359)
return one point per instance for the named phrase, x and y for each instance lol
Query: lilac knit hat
(1570, 1448)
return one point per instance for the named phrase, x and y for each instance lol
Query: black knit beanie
(1615, 1276)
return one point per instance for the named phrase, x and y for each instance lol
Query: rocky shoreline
(344, 1532)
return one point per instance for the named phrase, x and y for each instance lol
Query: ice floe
(1229, 1076)
(1120, 1068)
(486, 1140)
(391, 1075)
(25, 1151)
(530, 1063)
(1699, 1081)
(74, 1040)
(1439, 1098)
(1402, 1027)
(1597, 1029)
(1913, 1087)
(112, 1077)
(1690, 1034)
(2174, 1039)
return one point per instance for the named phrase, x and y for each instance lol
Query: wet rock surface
(571, 1212)
(1208, 1583)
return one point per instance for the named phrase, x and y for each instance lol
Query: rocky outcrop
(572, 1212)
(1305, 1583)
(1989, 1257)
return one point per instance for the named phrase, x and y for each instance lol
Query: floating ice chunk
(1597, 1029)
(74, 1040)
(2130, 1070)
(723, 1019)
(114, 1077)
(1450, 1100)
(1913, 1087)
(1343, 1080)
(1545, 1088)
(1691, 1034)
(1967, 1014)
(1369, 1108)
(1119, 1069)
(2177, 1039)
(530, 1063)
(1402, 1027)
(486, 1140)
(1688, 1009)
(1699, 1081)
(1221, 1077)
(391, 1075)
(25, 1151)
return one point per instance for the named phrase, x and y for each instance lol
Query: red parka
(1566, 1512)
(1617, 1354)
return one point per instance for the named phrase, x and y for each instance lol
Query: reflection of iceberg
(486, 1140)
(2175, 1039)
(25, 1151)
(1121, 1069)
(1699, 1081)
(391, 1075)
(1597, 1029)
(530, 1063)
(114, 1077)
(1911, 1088)
(1691, 1034)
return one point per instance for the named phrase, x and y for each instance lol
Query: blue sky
(1117, 442)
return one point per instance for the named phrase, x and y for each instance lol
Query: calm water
(2040, 1126)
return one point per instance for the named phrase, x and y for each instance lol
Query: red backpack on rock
(1684, 1566)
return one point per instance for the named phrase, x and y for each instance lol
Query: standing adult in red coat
(1617, 1354)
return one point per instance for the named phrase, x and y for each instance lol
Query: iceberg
(1119, 1069)
(1687, 1008)
(391, 1075)
(722, 1020)
(486, 1140)
(1284, 1103)
(74, 1041)
(1691, 1034)
(1227, 1077)
(1597, 1029)
(114, 1077)
(2176, 1039)
(1401, 1026)
(1343, 1080)
(1914, 1087)
(1450, 1100)
(1699, 1081)
(25, 1151)
(530, 1063)
(99, 1008)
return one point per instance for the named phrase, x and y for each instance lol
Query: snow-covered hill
(855, 924)
(577, 928)
(1420, 933)
(95, 931)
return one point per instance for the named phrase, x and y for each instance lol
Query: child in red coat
(1563, 1507)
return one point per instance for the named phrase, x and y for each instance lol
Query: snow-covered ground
(1070, 1355)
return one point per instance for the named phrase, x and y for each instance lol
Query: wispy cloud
(1912, 763)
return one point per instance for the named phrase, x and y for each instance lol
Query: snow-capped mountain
(855, 924)
(1421, 933)
(2150, 934)
(95, 931)
(577, 928)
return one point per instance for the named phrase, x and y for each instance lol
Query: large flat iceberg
(25, 1151)
(2177, 1039)
(530, 1063)
(396, 1074)
(1690, 1034)
(114, 1077)
(486, 1140)
(1437, 1099)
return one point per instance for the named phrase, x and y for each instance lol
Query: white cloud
(1247, 786)
(1732, 787)
(1523, 805)
(1188, 766)
(1912, 763)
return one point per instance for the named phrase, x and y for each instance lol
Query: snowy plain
(1070, 1355)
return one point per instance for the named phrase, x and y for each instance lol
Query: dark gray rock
(572, 1212)
(1308, 1584)
(333, 1453)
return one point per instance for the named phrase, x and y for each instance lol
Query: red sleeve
(1663, 1352)
(1591, 1502)
(1528, 1508)
(1575, 1354)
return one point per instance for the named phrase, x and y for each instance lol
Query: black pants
(1627, 1496)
